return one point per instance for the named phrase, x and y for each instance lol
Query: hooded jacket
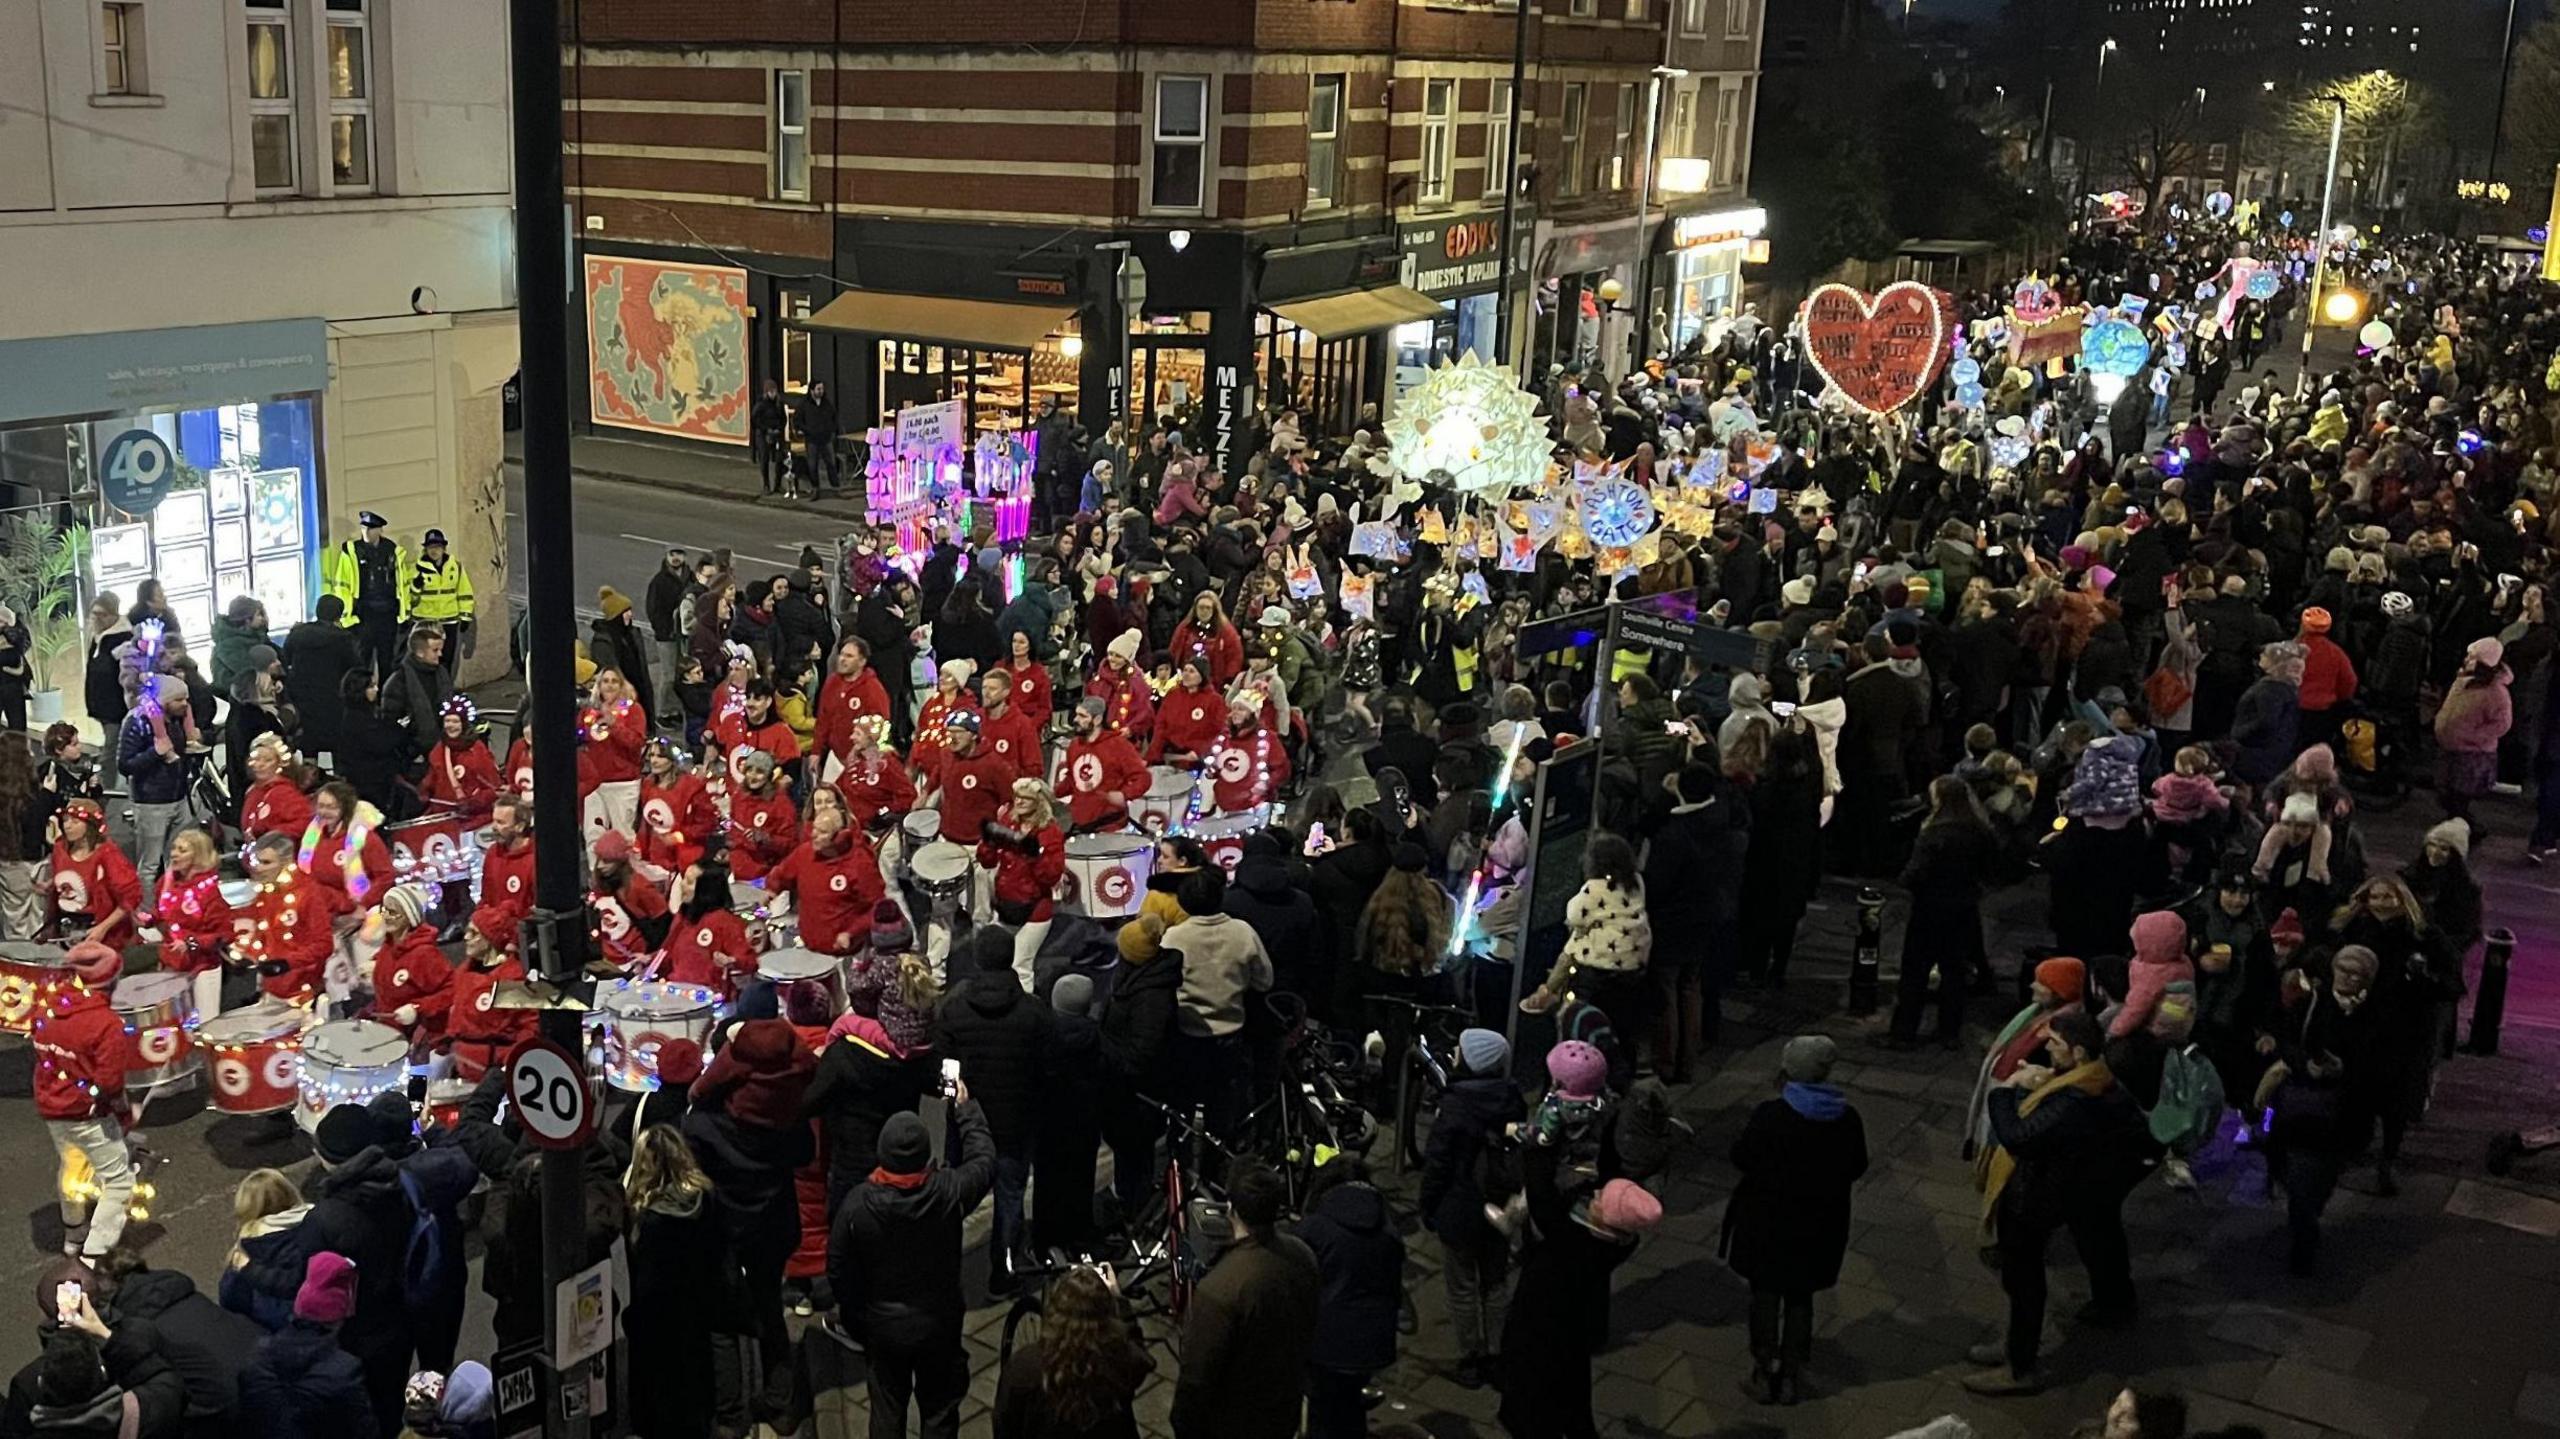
(266, 1243)
(894, 1254)
(1472, 1113)
(2476, 713)
(141, 1389)
(1360, 1261)
(358, 1210)
(862, 1079)
(206, 1346)
(302, 1385)
(1282, 917)
(2160, 988)
(998, 1033)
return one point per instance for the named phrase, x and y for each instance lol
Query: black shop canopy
(961, 324)
(1357, 312)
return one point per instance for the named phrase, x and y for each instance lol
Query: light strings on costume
(1484, 862)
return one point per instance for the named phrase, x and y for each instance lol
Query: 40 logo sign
(1879, 351)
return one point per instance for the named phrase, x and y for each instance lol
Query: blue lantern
(2114, 347)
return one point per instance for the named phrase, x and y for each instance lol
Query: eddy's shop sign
(1451, 256)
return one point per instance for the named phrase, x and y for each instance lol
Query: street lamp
(2094, 92)
(1643, 266)
(2320, 245)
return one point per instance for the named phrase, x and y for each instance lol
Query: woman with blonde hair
(1077, 1379)
(267, 1210)
(683, 1286)
(1027, 852)
(194, 918)
(614, 730)
(2417, 978)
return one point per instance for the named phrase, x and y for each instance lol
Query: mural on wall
(667, 347)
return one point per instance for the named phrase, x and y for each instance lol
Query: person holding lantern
(1190, 719)
(1100, 772)
(96, 893)
(412, 981)
(764, 825)
(461, 773)
(676, 817)
(82, 1054)
(275, 802)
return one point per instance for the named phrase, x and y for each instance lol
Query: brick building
(1118, 205)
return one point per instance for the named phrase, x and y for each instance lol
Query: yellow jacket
(437, 593)
(341, 575)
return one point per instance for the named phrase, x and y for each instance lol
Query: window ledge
(128, 102)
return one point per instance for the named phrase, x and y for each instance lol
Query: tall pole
(556, 935)
(1643, 267)
(2320, 244)
(2506, 65)
(1502, 308)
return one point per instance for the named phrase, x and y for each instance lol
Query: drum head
(254, 1025)
(653, 1000)
(150, 991)
(238, 892)
(784, 966)
(921, 826)
(1106, 846)
(1166, 782)
(355, 1044)
(940, 862)
(41, 956)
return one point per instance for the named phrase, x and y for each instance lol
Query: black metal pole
(1511, 189)
(2498, 123)
(542, 324)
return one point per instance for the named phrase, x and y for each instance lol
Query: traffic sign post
(548, 1087)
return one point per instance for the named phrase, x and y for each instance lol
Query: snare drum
(641, 1015)
(1106, 874)
(435, 849)
(158, 1010)
(444, 1101)
(26, 971)
(349, 1061)
(943, 871)
(1223, 835)
(792, 966)
(256, 1058)
(1167, 798)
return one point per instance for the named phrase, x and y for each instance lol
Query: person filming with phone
(92, 1379)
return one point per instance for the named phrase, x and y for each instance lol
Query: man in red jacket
(833, 881)
(81, 1057)
(850, 694)
(1007, 729)
(971, 783)
(1101, 773)
(506, 864)
(2328, 680)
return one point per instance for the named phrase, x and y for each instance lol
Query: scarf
(1815, 1101)
(350, 848)
(1998, 1166)
(887, 1180)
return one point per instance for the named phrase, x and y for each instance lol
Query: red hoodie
(195, 921)
(1095, 770)
(1128, 703)
(464, 776)
(275, 806)
(676, 821)
(82, 1053)
(97, 887)
(773, 815)
(1030, 879)
(618, 916)
(841, 701)
(1221, 647)
(881, 786)
(291, 918)
(1013, 736)
(326, 867)
(1247, 770)
(413, 970)
(2328, 676)
(480, 1032)
(615, 755)
(974, 790)
(1030, 690)
(506, 881)
(711, 952)
(1188, 722)
(832, 893)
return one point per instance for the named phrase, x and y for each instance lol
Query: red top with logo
(974, 790)
(275, 806)
(1030, 690)
(1128, 703)
(833, 893)
(676, 821)
(82, 1053)
(97, 886)
(877, 787)
(506, 881)
(617, 914)
(1030, 879)
(462, 775)
(841, 701)
(611, 742)
(711, 952)
(195, 921)
(775, 818)
(1189, 722)
(376, 860)
(1095, 769)
(290, 918)
(413, 970)
(1014, 736)
(1247, 770)
(481, 1033)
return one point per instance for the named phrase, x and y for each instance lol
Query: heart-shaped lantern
(1879, 351)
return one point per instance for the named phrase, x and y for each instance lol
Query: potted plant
(40, 568)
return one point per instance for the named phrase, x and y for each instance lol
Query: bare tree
(2158, 115)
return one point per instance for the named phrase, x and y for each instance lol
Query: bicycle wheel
(1021, 1326)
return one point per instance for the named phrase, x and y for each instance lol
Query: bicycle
(1313, 1115)
(1430, 1052)
(1195, 1226)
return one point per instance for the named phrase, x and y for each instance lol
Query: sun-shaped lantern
(1616, 512)
(1470, 425)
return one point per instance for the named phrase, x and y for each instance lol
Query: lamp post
(2506, 63)
(1642, 269)
(2320, 243)
(2087, 150)
(1511, 189)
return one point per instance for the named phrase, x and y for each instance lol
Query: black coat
(998, 1033)
(751, 1168)
(895, 1253)
(2075, 1153)
(1246, 1341)
(1787, 1226)
(358, 1210)
(103, 685)
(317, 656)
(1138, 1025)
(1342, 882)
(966, 632)
(1360, 1259)
(413, 697)
(1403, 748)
(664, 600)
(1284, 919)
(682, 1279)
(1886, 711)
(302, 1385)
(617, 645)
(800, 626)
(1693, 870)
(207, 1344)
(1559, 1309)
(373, 752)
(1070, 1133)
(1469, 1122)
(857, 1087)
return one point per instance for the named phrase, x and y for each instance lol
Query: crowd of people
(2009, 637)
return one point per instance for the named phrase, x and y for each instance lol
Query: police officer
(368, 577)
(439, 594)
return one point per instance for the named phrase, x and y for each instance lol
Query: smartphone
(66, 1299)
(1783, 709)
(1676, 727)
(1996, 551)
(1864, 566)
(1315, 838)
(950, 1077)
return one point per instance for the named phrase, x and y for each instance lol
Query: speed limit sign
(548, 1088)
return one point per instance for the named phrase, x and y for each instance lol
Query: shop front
(1455, 261)
(191, 456)
(1583, 315)
(1697, 269)
(1322, 330)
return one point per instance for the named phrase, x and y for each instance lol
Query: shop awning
(965, 324)
(1356, 312)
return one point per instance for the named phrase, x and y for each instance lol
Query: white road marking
(744, 559)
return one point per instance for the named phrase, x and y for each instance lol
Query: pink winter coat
(2159, 962)
(2476, 713)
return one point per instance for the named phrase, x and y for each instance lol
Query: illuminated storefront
(1701, 280)
(1455, 260)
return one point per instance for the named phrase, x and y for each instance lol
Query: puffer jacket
(269, 1248)
(2108, 781)
(2476, 713)
(2160, 988)
(1360, 1258)
(1609, 930)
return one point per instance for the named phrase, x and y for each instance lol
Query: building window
(1622, 140)
(1728, 130)
(1178, 176)
(1324, 142)
(1636, 9)
(350, 96)
(1497, 142)
(795, 342)
(120, 50)
(1682, 137)
(1583, 7)
(791, 134)
(272, 144)
(1439, 108)
(1737, 17)
(2217, 158)
(1577, 104)
(1693, 16)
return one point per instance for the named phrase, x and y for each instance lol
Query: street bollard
(1866, 961)
(2489, 1007)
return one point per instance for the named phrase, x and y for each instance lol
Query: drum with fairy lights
(1106, 875)
(255, 1058)
(159, 1014)
(1223, 835)
(1167, 799)
(437, 848)
(349, 1061)
(640, 1016)
(27, 970)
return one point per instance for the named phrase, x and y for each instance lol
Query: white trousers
(93, 1147)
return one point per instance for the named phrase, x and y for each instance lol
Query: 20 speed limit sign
(548, 1088)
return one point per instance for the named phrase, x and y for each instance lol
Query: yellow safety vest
(341, 574)
(438, 593)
